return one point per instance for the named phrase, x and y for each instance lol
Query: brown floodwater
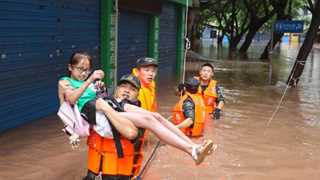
(251, 145)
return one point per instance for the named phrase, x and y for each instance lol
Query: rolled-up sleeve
(220, 96)
(189, 109)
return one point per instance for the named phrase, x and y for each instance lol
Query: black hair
(208, 65)
(77, 56)
(191, 89)
(183, 88)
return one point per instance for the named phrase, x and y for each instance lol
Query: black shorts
(88, 112)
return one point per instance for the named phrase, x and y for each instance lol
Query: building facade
(38, 37)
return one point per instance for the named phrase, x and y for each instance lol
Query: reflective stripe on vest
(178, 117)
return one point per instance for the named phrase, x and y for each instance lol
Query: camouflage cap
(146, 61)
(129, 78)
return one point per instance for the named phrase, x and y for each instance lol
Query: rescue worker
(146, 71)
(99, 148)
(89, 101)
(210, 91)
(189, 112)
(107, 153)
(102, 152)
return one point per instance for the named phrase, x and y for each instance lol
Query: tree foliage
(314, 7)
(237, 18)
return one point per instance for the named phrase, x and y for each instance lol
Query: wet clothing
(103, 155)
(219, 92)
(188, 108)
(194, 107)
(211, 94)
(114, 157)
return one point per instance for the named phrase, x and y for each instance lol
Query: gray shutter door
(132, 39)
(36, 40)
(168, 37)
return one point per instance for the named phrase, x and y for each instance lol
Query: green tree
(285, 10)
(260, 11)
(314, 7)
(230, 17)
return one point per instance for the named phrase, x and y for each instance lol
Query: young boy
(210, 91)
(146, 71)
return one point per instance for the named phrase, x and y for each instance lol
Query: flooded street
(251, 145)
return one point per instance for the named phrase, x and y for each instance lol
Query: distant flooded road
(248, 149)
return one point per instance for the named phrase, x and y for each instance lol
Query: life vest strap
(117, 141)
(137, 151)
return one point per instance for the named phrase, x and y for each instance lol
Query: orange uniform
(198, 125)
(103, 150)
(103, 156)
(209, 95)
(147, 97)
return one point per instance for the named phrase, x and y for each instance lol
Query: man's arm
(220, 103)
(189, 112)
(185, 123)
(122, 124)
(220, 98)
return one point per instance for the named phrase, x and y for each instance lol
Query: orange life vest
(103, 150)
(147, 97)
(147, 94)
(178, 117)
(103, 156)
(209, 95)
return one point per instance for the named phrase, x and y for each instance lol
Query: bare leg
(162, 132)
(161, 119)
(146, 120)
(171, 127)
(122, 124)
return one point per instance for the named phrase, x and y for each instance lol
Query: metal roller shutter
(168, 37)
(133, 39)
(37, 38)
